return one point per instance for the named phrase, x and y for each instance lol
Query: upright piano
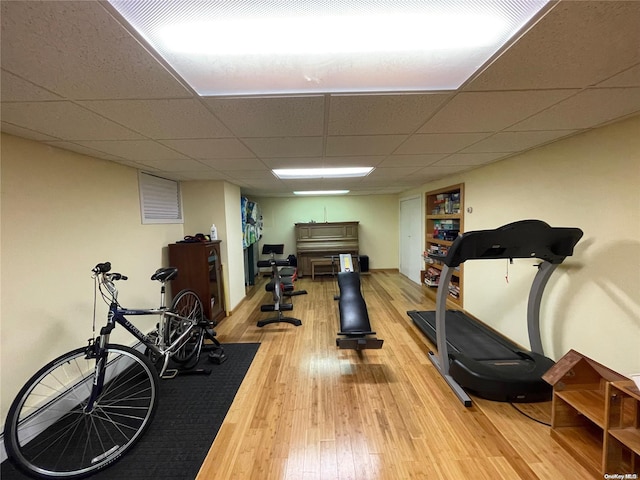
(322, 240)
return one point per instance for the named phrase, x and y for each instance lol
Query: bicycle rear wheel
(49, 435)
(186, 304)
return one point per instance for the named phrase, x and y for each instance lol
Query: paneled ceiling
(76, 78)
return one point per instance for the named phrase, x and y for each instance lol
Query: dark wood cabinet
(200, 269)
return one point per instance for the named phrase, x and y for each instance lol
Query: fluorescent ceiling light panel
(341, 172)
(323, 46)
(321, 192)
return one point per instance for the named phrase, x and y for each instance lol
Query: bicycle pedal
(170, 373)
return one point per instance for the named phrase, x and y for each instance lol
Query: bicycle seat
(165, 274)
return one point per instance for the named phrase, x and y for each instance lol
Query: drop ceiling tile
(491, 111)
(135, 150)
(439, 143)
(433, 172)
(516, 141)
(469, 159)
(587, 109)
(282, 147)
(186, 175)
(255, 176)
(174, 165)
(381, 114)
(300, 162)
(627, 78)
(131, 164)
(74, 147)
(353, 161)
(210, 148)
(25, 132)
(363, 145)
(271, 116)
(411, 160)
(380, 183)
(236, 164)
(15, 89)
(79, 51)
(65, 121)
(576, 45)
(162, 119)
(392, 173)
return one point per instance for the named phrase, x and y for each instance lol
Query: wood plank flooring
(307, 410)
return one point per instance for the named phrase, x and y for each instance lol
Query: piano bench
(319, 262)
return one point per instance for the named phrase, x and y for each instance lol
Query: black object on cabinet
(200, 269)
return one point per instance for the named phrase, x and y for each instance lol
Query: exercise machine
(281, 286)
(355, 327)
(470, 355)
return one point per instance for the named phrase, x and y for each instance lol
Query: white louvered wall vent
(160, 200)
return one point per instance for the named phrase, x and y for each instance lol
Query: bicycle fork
(97, 349)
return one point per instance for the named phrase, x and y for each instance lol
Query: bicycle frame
(116, 315)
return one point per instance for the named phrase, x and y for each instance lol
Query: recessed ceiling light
(322, 46)
(321, 192)
(339, 172)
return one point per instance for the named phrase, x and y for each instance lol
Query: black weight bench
(354, 318)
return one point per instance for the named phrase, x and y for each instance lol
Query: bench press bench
(354, 318)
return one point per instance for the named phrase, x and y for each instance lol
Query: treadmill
(475, 358)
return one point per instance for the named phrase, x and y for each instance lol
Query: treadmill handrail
(521, 239)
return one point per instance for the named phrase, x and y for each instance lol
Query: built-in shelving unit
(596, 415)
(444, 210)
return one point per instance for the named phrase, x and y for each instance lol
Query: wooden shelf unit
(443, 208)
(595, 415)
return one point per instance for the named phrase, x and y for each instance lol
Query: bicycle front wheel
(48, 433)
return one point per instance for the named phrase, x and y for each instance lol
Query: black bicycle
(88, 407)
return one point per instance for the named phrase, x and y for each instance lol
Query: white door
(411, 245)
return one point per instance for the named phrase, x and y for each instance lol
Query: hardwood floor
(307, 410)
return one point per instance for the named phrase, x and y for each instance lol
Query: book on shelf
(446, 204)
(432, 277)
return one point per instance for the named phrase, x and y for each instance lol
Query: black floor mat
(190, 412)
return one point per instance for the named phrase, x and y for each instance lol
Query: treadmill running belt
(467, 336)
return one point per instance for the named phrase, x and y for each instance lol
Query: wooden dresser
(319, 240)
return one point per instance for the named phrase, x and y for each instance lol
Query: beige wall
(218, 202)
(62, 213)
(592, 302)
(377, 214)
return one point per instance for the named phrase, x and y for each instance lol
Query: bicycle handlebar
(104, 268)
